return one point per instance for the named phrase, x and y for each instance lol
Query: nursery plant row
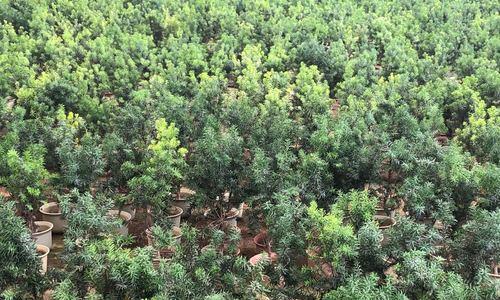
(269, 149)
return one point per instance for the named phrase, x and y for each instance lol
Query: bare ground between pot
(54, 257)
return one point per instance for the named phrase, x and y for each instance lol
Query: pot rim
(185, 193)
(235, 213)
(177, 214)
(43, 223)
(42, 248)
(256, 239)
(379, 217)
(125, 216)
(50, 204)
(254, 260)
(181, 200)
(174, 229)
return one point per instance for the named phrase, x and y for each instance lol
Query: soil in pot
(380, 211)
(51, 212)
(322, 268)
(125, 216)
(384, 223)
(43, 233)
(43, 252)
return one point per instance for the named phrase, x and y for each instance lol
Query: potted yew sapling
(89, 217)
(194, 273)
(408, 235)
(285, 219)
(79, 153)
(420, 278)
(332, 244)
(26, 182)
(477, 243)
(159, 173)
(218, 172)
(95, 257)
(103, 268)
(19, 273)
(79, 159)
(357, 207)
(370, 250)
(365, 287)
(225, 243)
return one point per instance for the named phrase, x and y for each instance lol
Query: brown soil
(54, 257)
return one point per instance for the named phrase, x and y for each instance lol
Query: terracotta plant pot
(43, 252)
(125, 216)
(182, 200)
(380, 211)
(272, 257)
(177, 234)
(174, 216)
(51, 212)
(384, 223)
(165, 253)
(230, 218)
(43, 234)
(130, 209)
(261, 240)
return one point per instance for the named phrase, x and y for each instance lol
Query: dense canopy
(357, 140)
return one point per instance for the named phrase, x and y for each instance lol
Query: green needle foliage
(108, 271)
(19, 275)
(357, 207)
(337, 242)
(293, 107)
(27, 180)
(218, 166)
(365, 288)
(78, 152)
(161, 172)
(476, 245)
